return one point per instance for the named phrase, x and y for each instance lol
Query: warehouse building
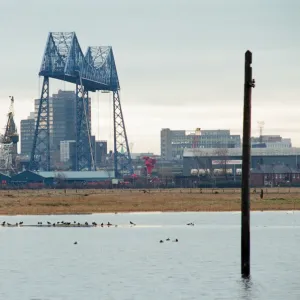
(173, 142)
(275, 175)
(271, 141)
(69, 177)
(218, 160)
(4, 180)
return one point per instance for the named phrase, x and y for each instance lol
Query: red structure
(196, 138)
(149, 163)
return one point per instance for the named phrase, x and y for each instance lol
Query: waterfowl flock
(73, 224)
(62, 224)
(168, 240)
(58, 224)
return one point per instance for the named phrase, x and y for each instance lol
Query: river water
(129, 262)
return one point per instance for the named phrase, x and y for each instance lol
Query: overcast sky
(180, 62)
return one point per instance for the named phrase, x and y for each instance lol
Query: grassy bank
(104, 201)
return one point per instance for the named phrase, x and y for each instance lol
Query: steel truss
(84, 153)
(40, 154)
(95, 71)
(6, 158)
(122, 157)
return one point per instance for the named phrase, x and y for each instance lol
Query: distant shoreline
(145, 212)
(70, 202)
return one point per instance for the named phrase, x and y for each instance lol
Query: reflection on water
(130, 263)
(246, 287)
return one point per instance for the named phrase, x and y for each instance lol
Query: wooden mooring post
(245, 207)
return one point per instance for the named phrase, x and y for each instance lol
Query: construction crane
(196, 138)
(9, 143)
(261, 125)
(261, 128)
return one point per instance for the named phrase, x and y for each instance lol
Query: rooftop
(238, 152)
(78, 175)
(274, 169)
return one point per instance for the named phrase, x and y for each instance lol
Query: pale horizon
(180, 64)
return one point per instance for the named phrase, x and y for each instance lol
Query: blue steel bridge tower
(95, 71)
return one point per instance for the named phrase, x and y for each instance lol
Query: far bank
(44, 202)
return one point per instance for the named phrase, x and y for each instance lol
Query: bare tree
(222, 153)
(201, 162)
(60, 179)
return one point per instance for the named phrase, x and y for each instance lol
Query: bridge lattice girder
(64, 60)
(96, 70)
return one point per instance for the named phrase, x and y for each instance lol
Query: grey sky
(180, 63)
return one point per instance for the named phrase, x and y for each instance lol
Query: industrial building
(173, 142)
(275, 175)
(53, 178)
(271, 141)
(100, 153)
(62, 114)
(27, 134)
(4, 180)
(218, 160)
(68, 154)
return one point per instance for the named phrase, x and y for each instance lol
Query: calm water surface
(130, 263)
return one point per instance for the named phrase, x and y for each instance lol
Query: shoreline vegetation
(87, 201)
